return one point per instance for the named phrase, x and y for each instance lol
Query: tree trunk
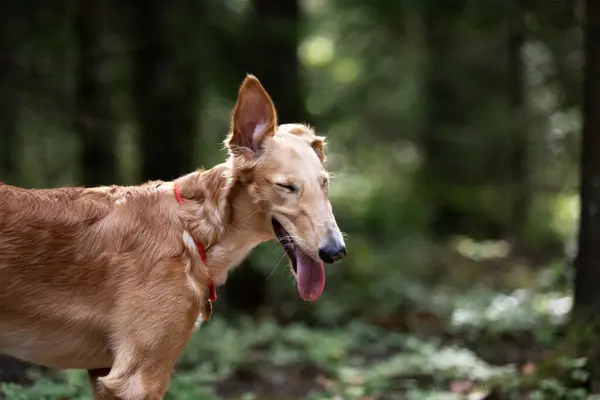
(560, 32)
(165, 93)
(9, 103)
(11, 75)
(93, 119)
(444, 111)
(587, 264)
(586, 311)
(459, 170)
(274, 36)
(519, 138)
(12, 79)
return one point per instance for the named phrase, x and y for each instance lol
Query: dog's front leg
(141, 371)
(151, 324)
(94, 375)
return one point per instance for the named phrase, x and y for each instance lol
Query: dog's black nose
(332, 253)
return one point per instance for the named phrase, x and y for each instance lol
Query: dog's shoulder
(145, 215)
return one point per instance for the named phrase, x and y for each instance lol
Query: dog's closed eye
(289, 187)
(325, 184)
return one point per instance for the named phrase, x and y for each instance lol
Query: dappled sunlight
(565, 219)
(317, 51)
(521, 309)
(478, 251)
(345, 70)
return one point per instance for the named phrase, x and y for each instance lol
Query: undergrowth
(467, 358)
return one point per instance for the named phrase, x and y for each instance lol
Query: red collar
(212, 292)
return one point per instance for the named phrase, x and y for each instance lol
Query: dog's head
(282, 169)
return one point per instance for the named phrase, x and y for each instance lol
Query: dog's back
(63, 254)
(33, 220)
(40, 229)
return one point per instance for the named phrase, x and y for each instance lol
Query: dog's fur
(109, 279)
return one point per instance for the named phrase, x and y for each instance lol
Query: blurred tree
(11, 74)
(445, 111)
(166, 90)
(518, 166)
(264, 43)
(8, 120)
(585, 320)
(475, 131)
(559, 28)
(93, 120)
(273, 36)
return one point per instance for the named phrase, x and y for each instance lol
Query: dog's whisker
(250, 216)
(275, 268)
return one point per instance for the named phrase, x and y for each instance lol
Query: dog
(114, 279)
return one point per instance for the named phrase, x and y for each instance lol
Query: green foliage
(574, 369)
(356, 360)
(71, 385)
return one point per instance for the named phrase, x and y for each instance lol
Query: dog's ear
(254, 118)
(318, 145)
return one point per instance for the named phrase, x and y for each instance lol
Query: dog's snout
(332, 252)
(332, 246)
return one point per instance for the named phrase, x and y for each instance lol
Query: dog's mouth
(309, 274)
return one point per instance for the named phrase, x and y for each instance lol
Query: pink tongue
(310, 275)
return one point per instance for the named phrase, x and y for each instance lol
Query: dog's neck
(221, 214)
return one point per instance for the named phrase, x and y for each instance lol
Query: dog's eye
(291, 188)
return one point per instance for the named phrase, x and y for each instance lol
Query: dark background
(454, 130)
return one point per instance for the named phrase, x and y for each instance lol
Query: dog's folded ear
(254, 118)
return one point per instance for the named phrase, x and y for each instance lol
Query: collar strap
(212, 291)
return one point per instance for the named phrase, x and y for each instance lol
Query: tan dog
(111, 279)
